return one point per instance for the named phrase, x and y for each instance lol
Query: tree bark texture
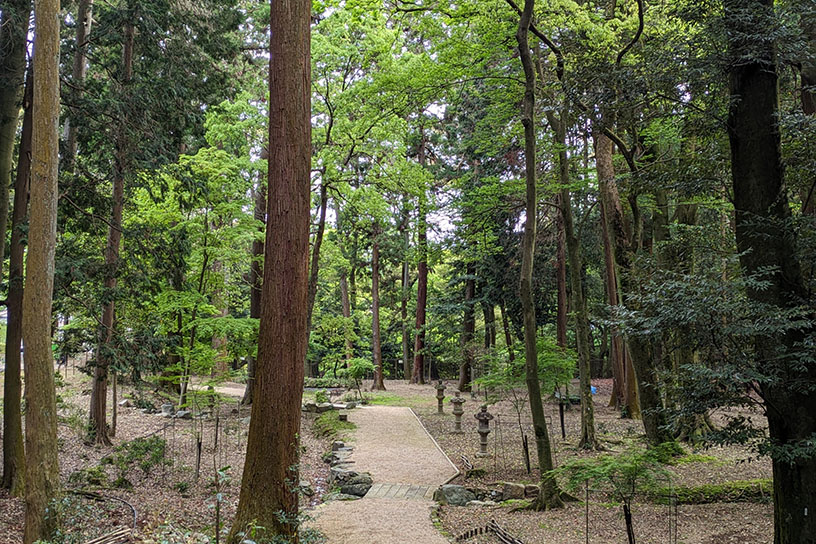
(376, 349)
(268, 498)
(549, 497)
(765, 240)
(42, 484)
(418, 373)
(255, 282)
(98, 416)
(407, 363)
(561, 282)
(12, 68)
(13, 450)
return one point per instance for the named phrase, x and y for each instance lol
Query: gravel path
(394, 447)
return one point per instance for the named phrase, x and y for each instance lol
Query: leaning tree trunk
(269, 500)
(549, 496)
(468, 330)
(42, 484)
(13, 450)
(99, 393)
(378, 384)
(13, 33)
(255, 282)
(766, 242)
(561, 282)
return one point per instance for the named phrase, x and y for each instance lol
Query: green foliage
(759, 490)
(144, 453)
(321, 396)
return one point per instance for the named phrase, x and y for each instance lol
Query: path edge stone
(457, 472)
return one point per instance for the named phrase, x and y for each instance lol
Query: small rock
(355, 489)
(246, 420)
(324, 407)
(453, 495)
(341, 475)
(531, 490)
(125, 403)
(167, 410)
(350, 405)
(340, 497)
(481, 503)
(512, 490)
(310, 407)
(306, 488)
(184, 414)
(337, 444)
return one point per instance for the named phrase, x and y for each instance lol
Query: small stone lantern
(484, 417)
(440, 396)
(457, 402)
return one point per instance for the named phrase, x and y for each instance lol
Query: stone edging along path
(407, 466)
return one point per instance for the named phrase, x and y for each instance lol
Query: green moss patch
(759, 490)
(328, 425)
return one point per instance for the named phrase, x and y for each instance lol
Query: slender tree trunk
(406, 291)
(578, 300)
(378, 384)
(312, 370)
(489, 314)
(549, 496)
(561, 281)
(13, 450)
(13, 33)
(418, 374)
(255, 282)
(42, 484)
(508, 336)
(348, 325)
(84, 19)
(766, 241)
(468, 330)
(98, 419)
(268, 499)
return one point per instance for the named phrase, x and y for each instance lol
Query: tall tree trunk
(378, 384)
(255, 282)
(13, 33)
(418, 374)
(766, 241)
(268, 499)
(348, 325)
(468, 330)
(624, 386)
(84, 19)
(489, 313)
(98, 417)
(312, 370)
(549, 497)
(13, 450)
(405, 292)
(578, 300)
(561, 282)
(42, 484)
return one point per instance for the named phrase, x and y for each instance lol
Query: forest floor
(175, 503)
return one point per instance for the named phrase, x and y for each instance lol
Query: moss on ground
(328, 425)
(759, 490)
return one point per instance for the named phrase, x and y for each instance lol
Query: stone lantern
(440, 396)
(457, 402)
(483, 417)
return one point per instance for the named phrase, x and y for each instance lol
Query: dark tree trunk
(549, 497)
(13, 450)
(468, 330)
(489, 313)
(405, 293)
(376, 349)
(268, 498)
(312, 369)
(766, 241)
(418, 374)
(42, 483)
(84, 20)
(561, 282)
(13, 33)
(508, 336)
(98, 420)
(255, 283)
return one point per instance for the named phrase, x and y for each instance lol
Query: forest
(408, 271)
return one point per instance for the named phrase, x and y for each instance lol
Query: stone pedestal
(457, 402)
(440, 396)
(483, 417)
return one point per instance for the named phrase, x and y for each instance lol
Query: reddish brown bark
(255, 282)
(268, 499)
(376, 349)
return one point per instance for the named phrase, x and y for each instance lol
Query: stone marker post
(484, 417)
(457, 402)
(440, 396)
